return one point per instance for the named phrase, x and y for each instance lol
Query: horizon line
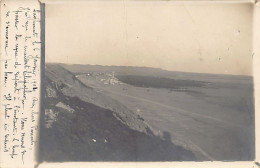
(152, 68)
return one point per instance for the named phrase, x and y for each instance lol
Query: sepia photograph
(135, 81)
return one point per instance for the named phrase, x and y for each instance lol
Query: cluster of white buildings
(104, 78)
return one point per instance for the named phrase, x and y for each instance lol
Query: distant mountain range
(79, 68)
(155, 72)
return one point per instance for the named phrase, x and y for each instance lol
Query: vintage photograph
(148, 81)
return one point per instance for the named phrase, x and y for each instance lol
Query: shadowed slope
(92, 133)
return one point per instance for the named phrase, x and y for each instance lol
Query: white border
(217, 164)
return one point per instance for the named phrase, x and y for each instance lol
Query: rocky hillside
(84, 125)
(69, 85)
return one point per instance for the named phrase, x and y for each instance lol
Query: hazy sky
(180, 36)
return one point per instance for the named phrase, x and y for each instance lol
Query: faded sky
(178, 36)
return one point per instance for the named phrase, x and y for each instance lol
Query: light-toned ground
(215, 122)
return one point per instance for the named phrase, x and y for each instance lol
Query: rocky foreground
(84, 125)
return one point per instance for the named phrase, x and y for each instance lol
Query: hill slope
(84, 125)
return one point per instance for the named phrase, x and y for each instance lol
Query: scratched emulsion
(20, 81)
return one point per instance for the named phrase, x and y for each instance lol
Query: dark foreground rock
(92, 133)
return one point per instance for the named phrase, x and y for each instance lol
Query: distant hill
(156, 72)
